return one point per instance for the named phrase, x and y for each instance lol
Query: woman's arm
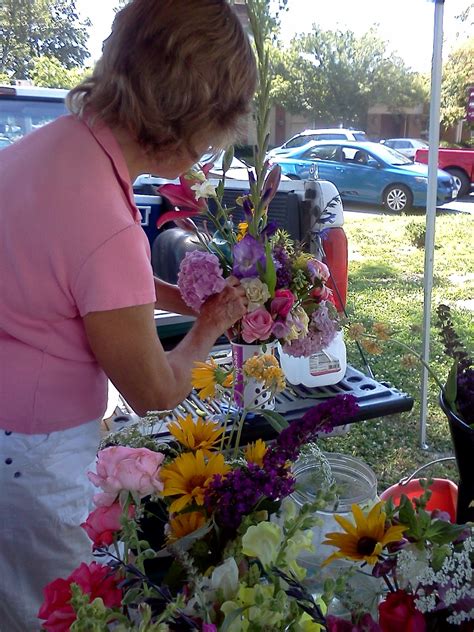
(168, 297)
(127, 347)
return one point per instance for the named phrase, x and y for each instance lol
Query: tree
(458, 74)
(50, 73)
(33, 28)
(334, 76)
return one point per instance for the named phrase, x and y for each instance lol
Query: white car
(406, 146)
(335, 133)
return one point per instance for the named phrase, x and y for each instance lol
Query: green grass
(386, 285)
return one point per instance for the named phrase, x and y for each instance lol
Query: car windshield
(19, 117)
(391, 156)
(217, 162)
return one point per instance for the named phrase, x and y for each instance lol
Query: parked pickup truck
(458, 162)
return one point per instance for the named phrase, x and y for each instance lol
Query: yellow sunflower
(365, 540)
(196, 435)
(255, 452)
(189, 475)
(184, 524)
(206, 375)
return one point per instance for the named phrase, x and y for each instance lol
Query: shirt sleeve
(117, 274)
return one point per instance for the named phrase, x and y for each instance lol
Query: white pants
(44, 496)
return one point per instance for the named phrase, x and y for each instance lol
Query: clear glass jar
(356, 483)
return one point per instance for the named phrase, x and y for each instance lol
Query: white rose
(257, 293)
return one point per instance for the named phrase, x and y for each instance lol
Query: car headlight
(422, 179)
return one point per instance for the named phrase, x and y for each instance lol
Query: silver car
(406, 146)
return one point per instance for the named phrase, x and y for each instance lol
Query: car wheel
(462, 179)
(398, 197)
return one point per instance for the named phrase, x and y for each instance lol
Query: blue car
(366, 172)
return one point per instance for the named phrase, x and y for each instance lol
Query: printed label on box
(322, 363)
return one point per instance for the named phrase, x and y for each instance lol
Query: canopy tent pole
(436, 74)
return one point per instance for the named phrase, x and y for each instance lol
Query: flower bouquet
(197, 534)
(417, 569)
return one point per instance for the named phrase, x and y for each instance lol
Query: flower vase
(249, 392)
(463, 441)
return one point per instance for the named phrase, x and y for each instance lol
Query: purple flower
(248, 252)
(200, 276)
(282, 267)
(322, 330)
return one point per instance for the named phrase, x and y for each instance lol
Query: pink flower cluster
(322, 330)
(200, 277)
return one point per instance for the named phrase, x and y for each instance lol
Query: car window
(322, 152)
(391, 156)
(19, 117)
(360, 136)
(298, 141)
(329, 136)
(389, 143)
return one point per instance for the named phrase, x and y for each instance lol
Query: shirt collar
(103, 135)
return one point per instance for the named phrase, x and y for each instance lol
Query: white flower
(226, 578)
(256, 292)
(204, 190)
(263, 541)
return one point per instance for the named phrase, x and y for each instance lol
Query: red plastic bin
(444, 494)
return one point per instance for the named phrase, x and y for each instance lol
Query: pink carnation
(95, 580)
(131, 469)
(200, 276)
(102, 524)
(257, 325)
(318, 271)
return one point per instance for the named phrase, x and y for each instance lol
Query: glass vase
(248, 392)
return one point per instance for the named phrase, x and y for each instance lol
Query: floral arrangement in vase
(416, 567)
(197, 534)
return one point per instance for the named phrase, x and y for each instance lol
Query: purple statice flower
(248, 252)
(321, 418)
(322, 330)
(236, 495)
(282, 267)
(200, 276)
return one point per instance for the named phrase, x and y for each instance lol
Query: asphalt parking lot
(459, 205)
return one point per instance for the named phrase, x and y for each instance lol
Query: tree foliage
(458, 74)
(334, 76)
(50, 73)
(30, 29)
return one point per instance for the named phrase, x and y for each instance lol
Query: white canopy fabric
(436, 74)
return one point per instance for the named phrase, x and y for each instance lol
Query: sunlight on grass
(386, 284)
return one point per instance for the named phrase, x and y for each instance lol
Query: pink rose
(103, 522)
(282, 303)
(257, 325)
(398, 612)
(131, 469)
(94, 580)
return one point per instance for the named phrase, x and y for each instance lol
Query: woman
(77, 289)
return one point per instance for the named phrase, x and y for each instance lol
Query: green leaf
(451, 387)
(270, 272)
(277, 421)
(442, 532)
(230, 618)
(228, 158)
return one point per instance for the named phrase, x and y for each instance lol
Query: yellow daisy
(196, 435)
(255, 452)
(265, 368)
(365, 540)
(189, 475)
(206, 375)
(184, 524)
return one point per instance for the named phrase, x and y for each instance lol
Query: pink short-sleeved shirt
(70, 243)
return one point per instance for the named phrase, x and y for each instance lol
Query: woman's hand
(226, 308)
